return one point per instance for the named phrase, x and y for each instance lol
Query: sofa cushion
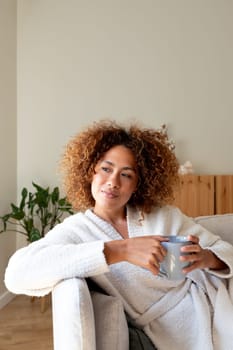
(110, 323)
(221, 225)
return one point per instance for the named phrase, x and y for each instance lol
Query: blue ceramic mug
(171, 267)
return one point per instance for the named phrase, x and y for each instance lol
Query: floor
(24, 327)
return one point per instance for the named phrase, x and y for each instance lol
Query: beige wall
(7, 129)
(154, 61)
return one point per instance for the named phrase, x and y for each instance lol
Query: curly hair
(157, 164)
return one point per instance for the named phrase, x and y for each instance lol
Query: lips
(110, 194)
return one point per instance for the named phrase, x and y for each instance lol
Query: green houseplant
(38, 211)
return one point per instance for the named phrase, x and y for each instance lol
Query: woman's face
(115, 179)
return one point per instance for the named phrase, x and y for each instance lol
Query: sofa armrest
(84, 320)
(73, 316)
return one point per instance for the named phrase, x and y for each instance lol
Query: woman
(121, 181)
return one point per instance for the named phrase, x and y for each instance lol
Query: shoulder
(166, 212)
(73, 228)
(74, 219)
(69, 224)
(165, 220)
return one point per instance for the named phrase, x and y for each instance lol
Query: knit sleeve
(61, 254)
(208, 240)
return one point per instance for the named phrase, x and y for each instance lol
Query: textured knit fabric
(193, 314)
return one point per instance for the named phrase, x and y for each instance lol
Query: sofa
(104, 322)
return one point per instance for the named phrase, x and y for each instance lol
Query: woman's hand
(145, 251)
(200, 258)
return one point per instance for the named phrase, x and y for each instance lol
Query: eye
(128, 176)
(105, 169)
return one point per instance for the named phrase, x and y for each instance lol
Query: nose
(113, 181)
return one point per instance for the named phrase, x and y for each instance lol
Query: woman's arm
(144, 251)
(148, 252)
(36, 268)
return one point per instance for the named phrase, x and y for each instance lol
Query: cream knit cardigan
(193, 314)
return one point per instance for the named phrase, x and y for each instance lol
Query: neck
(116, 219)
(111, 217)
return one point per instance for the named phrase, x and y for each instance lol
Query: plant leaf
(38, 210)
(42, 198)
(24, 194)
(16, 213)
(37, 187)
(55, 195)
(34, 235)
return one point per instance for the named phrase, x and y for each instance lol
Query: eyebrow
(124, 168)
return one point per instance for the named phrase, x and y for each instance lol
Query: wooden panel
(224, 194)
(195, 195)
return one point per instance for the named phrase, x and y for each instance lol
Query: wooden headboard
(205, 194)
